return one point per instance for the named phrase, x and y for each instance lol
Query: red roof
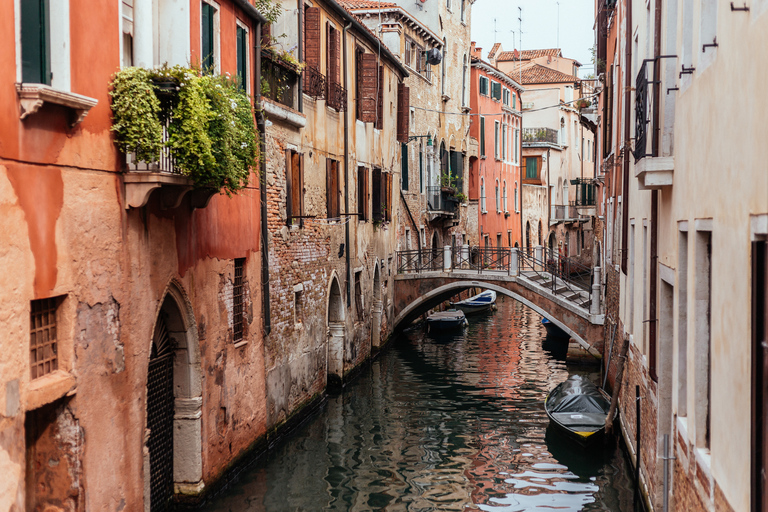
(367, 4)
(531, 54)
(494, 49)
(537, 74)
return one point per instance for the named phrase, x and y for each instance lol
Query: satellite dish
(434, 56)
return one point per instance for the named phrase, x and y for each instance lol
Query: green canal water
(450, 423)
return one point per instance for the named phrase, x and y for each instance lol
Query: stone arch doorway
(336, 335)
(377, 309)
(173, 454)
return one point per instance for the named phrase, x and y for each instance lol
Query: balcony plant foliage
(212, 137)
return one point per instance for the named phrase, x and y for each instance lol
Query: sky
(539, 26)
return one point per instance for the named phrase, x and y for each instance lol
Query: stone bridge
(578, 312)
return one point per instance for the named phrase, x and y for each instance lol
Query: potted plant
(448, 183)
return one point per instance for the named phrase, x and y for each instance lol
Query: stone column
(539, 257)
(376, 324)
(143, 34)
(447, 258)
(514, 262)
(187, 443)
(465, 256)
(594, 307)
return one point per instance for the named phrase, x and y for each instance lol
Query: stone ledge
(654, 173)
(33, 96)
(49, 388)
(278, 112)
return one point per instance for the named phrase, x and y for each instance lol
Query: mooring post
(447, 258)
(514, 262)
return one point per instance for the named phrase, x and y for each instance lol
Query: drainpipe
(300, 51)
(653, 288)
(626, 152)
(346, 164)
(261, 124)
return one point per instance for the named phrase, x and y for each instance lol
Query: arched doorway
(435, 250)
(377, 309)
(552, 242)
(527, 235)
(174, 403)
(336, 335)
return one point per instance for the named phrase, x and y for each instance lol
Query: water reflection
(440, 424)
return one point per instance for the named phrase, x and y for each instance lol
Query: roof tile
(530, 73)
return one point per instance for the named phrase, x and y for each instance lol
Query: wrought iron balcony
(337, 97)
(641, 114)
(314, 83)
(440, 201)
(540, 135)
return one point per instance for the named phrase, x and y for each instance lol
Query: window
(362, 193)
(496, 139)
(127, 26)
(482, 135)
(359, 295)
(514, 101)
(484, 85)
(702, 336)
(403, 111)
(448, 4)
(531, 168)
(312, 37)
(378, 200)
(333, 55)
(209, 47)
(568, 94)
(242, 57)
(516, 208)
(445, 58)
(43, 345)
(504, 142)
(332, 188)
(421, 167)
(498, 240)
(496, 194)
(464, 81)
(415, 58)
(517, 145)
(298, 303)
(404, 163)
(504, 195)
(294, 194)
(682, 324)
(35, 42)
(238, 294)
(482, 195)
(495, 90)
(463, 5)
(506, 96)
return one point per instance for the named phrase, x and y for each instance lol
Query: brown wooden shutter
(380, 101)
(312, 36)
(332, 188)
(403, 117)
(288, 188)
(328, 189)
(388, 195)
(368, 84)
(334, 56)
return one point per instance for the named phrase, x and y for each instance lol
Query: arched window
(498, 202)
(463, 6)
(505, 196)
(448, 4)
(464, 82)
(482, 195)
(445, 58)
(562, 130)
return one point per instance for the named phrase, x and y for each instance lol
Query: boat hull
(481, 302)
(578, 410)
(554, 331)
(446, 320)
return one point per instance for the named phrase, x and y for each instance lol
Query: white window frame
(496, 135)
(504, 196)
(59, 47)
(216, 35)
(248, 69)
(504, 142)
(482, 195)
(497, 194)
(505, 96)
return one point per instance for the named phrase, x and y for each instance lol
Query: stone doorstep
(49, 388)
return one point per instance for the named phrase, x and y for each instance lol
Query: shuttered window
(376, 202)
(403, 111)
(404, 167)
(35, 42)
(333, 55)
(294, 182)
(367, 82)
(312, 36)
(379, 124)
(496, 90)
(484, 85)
(242, 57)
(362, 193)
(531, 170)
(207, 47)
(127, 24)
(482, 136)
(332, 188)
(388, 196)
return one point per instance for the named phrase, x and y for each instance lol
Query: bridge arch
(442, 293)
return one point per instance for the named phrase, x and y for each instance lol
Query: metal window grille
(237, 300)
(43, 357)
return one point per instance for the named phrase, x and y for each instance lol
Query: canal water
(442, 424)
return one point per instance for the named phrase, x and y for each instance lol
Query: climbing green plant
(211, 135)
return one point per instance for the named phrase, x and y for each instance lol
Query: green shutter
(404, 174)
(35, 46)
(482, 136)
(530, 168)
(207, 43)
(242, 67)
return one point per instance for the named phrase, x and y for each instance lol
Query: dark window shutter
(368, 84)
(361, 193)
(482, 136)
(207, 33)
(388, 196)
(403, 106)
(35, 54)
(335, 57)
(296, 187)
(242, 51)
(380, 102)
(404, 171)
(288, 187)
(312, 36)
(376, 194)
(332, 188)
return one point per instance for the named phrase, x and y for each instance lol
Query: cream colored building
(691, 214)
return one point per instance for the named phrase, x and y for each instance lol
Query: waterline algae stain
(449, 423)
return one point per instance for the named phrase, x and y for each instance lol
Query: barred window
(238, 302)
(43, 357)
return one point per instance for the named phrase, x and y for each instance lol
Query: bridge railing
(568, 269)
(423, 260)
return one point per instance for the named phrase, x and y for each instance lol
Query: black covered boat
(578, 409)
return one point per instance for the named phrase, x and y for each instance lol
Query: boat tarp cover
(577, 395)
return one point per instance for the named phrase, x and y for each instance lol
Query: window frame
(496, 135)
(245, 47)
(487, 86)
(215, 36)
(482, 136)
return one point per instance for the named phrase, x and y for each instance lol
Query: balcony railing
(585, 192)
(314, 83)
(337, 97)
(641, 114)
(280, 80)
(563, 213)
(166, 162)
(540, 135)
(441, 201)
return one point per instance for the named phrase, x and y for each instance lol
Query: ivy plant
(135, 114)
